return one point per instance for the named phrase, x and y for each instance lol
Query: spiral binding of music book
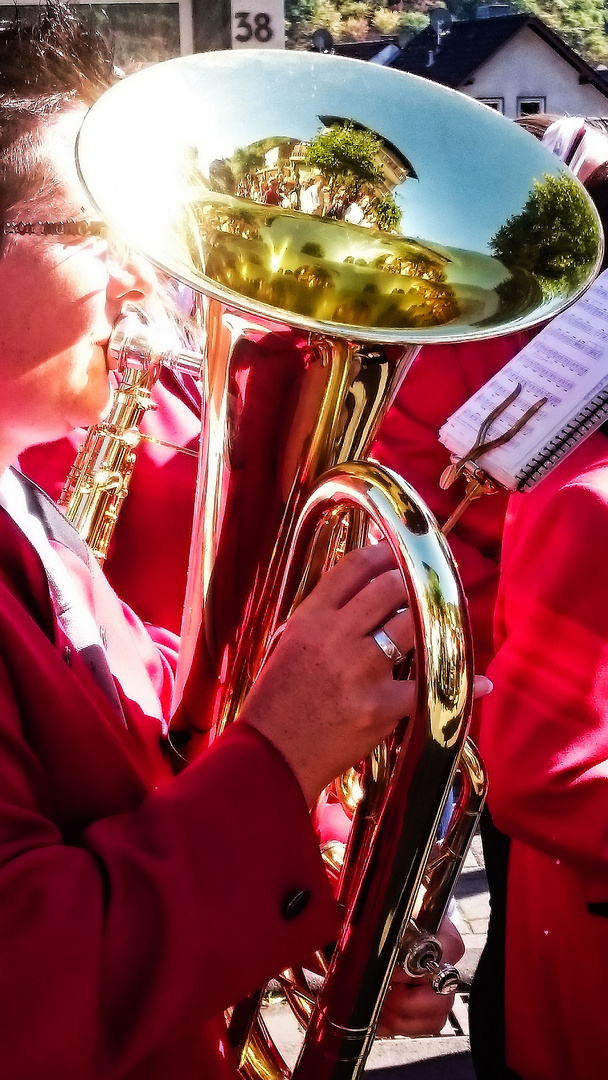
(566, 364)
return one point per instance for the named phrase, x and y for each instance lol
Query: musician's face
(59, 297)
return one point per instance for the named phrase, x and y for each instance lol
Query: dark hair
(596, 186)
(57, 53)
(537, 123)
(45, 65)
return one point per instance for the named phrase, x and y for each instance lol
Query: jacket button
(295, 903)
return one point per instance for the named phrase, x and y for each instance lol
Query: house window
(141, 31)
(497, 103)
(531, 106)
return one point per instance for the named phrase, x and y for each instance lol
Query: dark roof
(462, 51)
(471, 43)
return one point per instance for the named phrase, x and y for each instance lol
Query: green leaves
(582, 23)
(555, 236)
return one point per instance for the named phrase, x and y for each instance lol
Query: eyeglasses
(55, 228)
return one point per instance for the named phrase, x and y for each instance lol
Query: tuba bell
(332, 216)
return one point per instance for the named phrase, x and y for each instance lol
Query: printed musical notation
(566, 364)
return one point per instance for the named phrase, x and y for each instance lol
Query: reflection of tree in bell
(555, 237)
(387, 213)
(347, 157)
(447, 641)
(247, 160)
(517, 295)
(221, 177)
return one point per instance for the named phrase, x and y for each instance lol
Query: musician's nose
(132, 278)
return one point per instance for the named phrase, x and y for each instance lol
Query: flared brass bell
(339, 196)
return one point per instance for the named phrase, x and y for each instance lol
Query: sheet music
(566, 363)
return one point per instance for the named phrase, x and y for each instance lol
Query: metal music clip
(480, 482)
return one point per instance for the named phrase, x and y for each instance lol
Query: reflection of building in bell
(394, 165)
(264, 172)
(360, 169)
(352, 181)
(314, 229)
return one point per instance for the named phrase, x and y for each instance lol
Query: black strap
(58, 528)
(55, 525)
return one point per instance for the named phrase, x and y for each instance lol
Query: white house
(515, 63)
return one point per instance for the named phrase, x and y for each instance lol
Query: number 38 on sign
(258, 25)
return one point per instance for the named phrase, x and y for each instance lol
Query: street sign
(259, 24)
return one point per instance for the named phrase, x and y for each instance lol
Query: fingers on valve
(378, 601)
(355, 571)
(396, 700)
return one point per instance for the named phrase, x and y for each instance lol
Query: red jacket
(544, 738)
(441, 379)
(134, 906)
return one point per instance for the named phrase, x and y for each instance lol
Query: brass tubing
(444, 868)
(98, 481)
(349, 1004)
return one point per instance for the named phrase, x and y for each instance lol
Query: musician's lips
(110, 360)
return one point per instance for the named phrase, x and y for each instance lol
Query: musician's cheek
(72, 374)
(87, 394)
(54, 374)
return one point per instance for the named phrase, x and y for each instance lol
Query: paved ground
(446, 1056)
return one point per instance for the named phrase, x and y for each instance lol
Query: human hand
(411, 1006)
(327, 695)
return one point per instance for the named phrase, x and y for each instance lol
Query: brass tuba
(332, 216)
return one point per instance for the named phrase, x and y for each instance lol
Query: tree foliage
(303, 17)
(387, 214)
(555, 236)
(246, 159)
(351, 19)
(582, 23)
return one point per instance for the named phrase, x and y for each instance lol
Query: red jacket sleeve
(544, 732)
(117, 928)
